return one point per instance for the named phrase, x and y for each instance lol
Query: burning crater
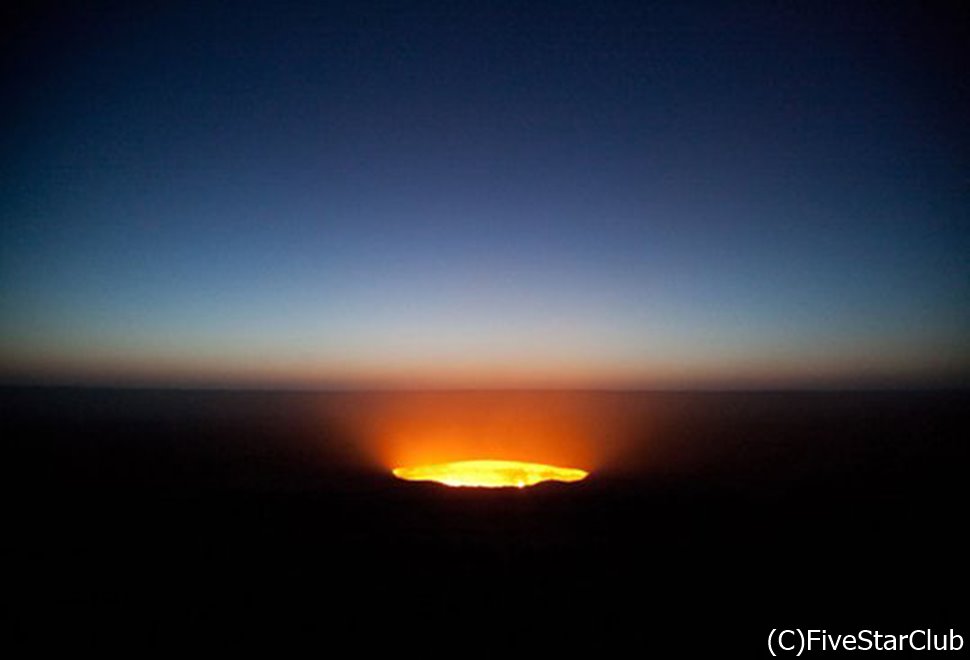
(490, 474)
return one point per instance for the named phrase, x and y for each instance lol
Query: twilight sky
(587, 194)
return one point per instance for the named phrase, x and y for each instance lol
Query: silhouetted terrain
(191, 520)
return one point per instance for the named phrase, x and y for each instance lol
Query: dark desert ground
(143, 519)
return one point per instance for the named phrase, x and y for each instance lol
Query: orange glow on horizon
(430, 428)
(490, 473)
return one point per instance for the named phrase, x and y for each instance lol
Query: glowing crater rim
(490, 473)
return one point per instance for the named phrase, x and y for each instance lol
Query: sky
(589, 194)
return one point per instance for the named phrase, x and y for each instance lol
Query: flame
(489, 474)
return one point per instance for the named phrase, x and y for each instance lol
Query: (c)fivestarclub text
(786, 641)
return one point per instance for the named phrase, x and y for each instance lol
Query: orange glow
(394, 429)
(490, 474)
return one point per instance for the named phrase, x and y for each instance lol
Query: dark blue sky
(592, 194)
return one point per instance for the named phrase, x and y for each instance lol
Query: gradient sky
(582, 194)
